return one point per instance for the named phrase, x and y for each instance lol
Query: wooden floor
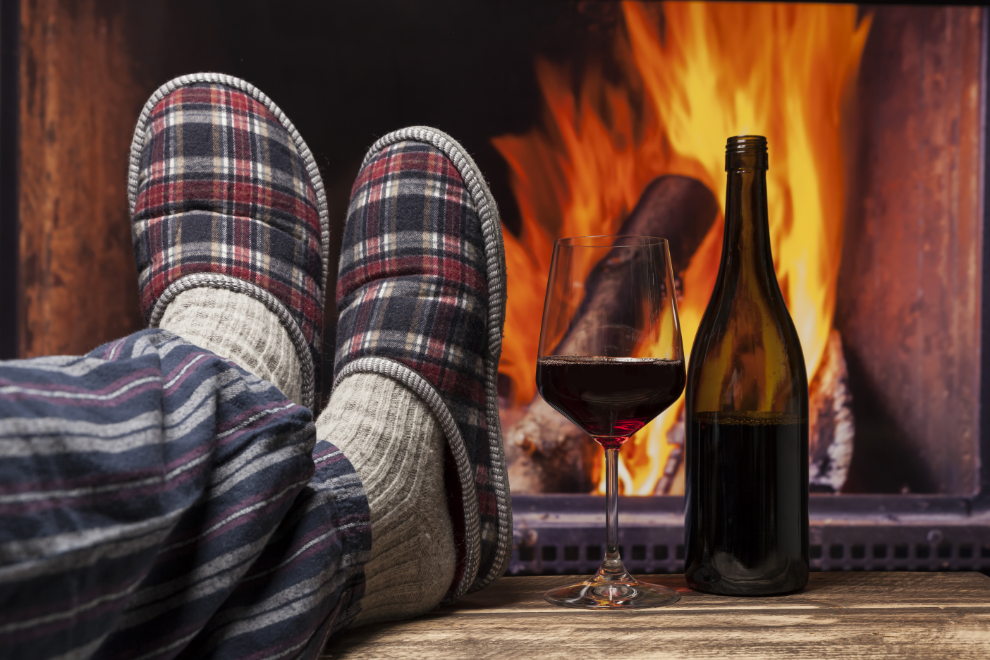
(838, 615)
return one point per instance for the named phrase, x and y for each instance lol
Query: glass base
(612, 588)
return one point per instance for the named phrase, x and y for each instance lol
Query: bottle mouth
(746, 152)
(746, 143)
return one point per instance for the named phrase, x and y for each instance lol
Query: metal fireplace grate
(565, 535)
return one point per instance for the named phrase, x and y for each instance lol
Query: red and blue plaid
(412, 287)
(224, 190)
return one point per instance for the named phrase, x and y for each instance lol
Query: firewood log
(831, 426)
(547, 453)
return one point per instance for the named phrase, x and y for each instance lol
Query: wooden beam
(79, 105)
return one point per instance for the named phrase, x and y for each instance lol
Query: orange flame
(693, 74)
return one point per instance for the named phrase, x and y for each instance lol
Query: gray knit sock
(397, 447)
(237, 327)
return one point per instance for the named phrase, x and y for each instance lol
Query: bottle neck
(746, 244)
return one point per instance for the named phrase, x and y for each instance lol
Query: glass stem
(612, 506)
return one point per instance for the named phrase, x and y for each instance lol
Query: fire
(693, 74)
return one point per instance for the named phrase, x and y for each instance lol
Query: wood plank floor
(839, 615)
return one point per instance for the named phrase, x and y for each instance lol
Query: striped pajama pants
(157, 501)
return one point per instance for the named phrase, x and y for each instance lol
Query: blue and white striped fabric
(157, 501)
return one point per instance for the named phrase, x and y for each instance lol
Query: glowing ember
(711, 71)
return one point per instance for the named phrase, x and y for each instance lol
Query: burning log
(548, 454)
(545, 452)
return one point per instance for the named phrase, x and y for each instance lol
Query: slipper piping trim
(274, 305)
(422, 387)
(491, 228)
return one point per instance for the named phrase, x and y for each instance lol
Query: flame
(692, 74)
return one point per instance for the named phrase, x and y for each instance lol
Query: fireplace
(880, 264)
(876, 122)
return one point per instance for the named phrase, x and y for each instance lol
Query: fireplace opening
(860, 282)
(587, 117)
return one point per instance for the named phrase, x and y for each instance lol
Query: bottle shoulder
(746, 354)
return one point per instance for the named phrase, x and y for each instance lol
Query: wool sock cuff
(396, 446)
(237, 327)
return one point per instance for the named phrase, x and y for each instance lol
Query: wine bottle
(746, 517)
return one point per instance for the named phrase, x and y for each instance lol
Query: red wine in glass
(609, 398)
(610, 360)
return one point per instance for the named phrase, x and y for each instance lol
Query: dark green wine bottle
(746, 517)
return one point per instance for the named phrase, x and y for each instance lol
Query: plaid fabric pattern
(157, 501)
(412, 287)
(224, 190)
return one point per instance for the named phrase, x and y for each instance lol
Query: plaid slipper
(421, 294)
(224, 193)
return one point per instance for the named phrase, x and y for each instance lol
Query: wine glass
(610, 360)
